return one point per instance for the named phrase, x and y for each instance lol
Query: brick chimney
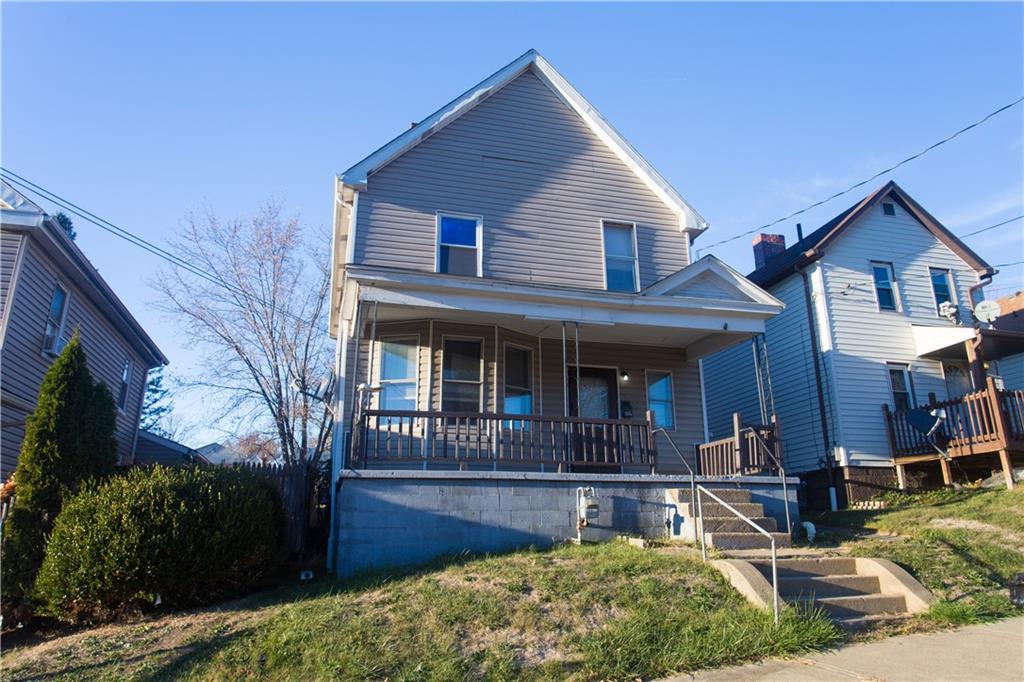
(766, 247)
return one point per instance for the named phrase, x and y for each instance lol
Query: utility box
(587, 511)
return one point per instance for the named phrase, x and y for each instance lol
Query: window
(398, 367)
(620, 265)
(941, 288)
(518, 381)
(126, 377)
(902, 389)
(53, 341)
(659, 399)
(462, 373)
(885, 285)
(888, 209)
(458, 245)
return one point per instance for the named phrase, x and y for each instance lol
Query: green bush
(69, 438)
(177, 536)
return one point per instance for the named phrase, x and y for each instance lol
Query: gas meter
(587, 510)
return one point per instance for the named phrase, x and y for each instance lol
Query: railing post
(738, 442)
(652, 449)
(1003, 430)
(890, 431)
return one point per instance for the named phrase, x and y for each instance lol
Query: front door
(958, 381)
(597, 399)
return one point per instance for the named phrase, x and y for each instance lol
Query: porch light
(625, 376)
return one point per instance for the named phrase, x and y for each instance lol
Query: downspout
(977, 364)
(826, 439)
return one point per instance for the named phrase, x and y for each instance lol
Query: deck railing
(750, 450)
(475, 440)
(981, 422)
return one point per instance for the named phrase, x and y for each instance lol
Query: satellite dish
(987, 311)
(923, 421)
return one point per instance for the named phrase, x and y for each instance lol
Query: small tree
(69, 438)
(64, 221)
(156, 405)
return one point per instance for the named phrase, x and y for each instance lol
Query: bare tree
(260, 324)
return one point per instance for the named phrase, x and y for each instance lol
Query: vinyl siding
(548, 375)
(1011, 369)
(24, 363)
(865, 339)
(731, 384)
(10, 247)
(542, 183)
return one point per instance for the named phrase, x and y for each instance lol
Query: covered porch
(453, 373)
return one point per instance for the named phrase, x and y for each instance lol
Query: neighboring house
(229, 454)
(49, 290)
(1011, 318)
(878, 310)
(153, 449)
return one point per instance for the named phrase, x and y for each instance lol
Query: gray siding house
(878, 312)
(48, 290)
(513, 292)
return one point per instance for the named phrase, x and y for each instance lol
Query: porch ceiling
(947, 343)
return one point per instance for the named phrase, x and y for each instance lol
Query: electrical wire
(877, 175)
(990, 227)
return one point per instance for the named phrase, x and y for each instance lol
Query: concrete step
(857, 606)
(802, 568)
(738, 525)
(730, 495)
(749, 540)
(865, 622)
(713, 509)
(820, 587)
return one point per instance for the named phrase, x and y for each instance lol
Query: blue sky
(142, 113)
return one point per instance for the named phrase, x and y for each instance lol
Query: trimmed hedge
(180, 536)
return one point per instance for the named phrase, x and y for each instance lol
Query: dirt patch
(1016, 539)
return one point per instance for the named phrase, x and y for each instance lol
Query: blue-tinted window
(885, 288)
(659, 399)
(458, 250)
(518, 381)
(940, 287)
(620, 257)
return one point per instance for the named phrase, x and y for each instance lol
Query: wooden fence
(293, 483)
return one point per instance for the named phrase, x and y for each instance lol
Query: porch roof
(673, 318)
(947, 343)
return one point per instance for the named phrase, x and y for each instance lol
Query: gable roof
(358, 175)
(711, 269)
(814, 245)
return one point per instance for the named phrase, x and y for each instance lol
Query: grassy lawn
(592, 612)
(962, 545)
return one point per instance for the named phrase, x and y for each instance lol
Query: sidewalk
(982, 653)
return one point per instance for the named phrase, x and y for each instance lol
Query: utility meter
(587, 510)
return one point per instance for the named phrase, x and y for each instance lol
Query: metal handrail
(762, 531)
(693, 482)
(782, 474)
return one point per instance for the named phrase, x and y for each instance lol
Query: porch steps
(723, 529)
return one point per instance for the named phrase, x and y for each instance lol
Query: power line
(872, 178)
(1006, 265)
(990, 227)
(135, 240)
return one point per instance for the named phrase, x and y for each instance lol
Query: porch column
(975, 362)
(901, 476)
(1004, 459)
(947, 471)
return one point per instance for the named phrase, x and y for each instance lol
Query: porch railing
(749, 450)
(985, 421)
(476, 440)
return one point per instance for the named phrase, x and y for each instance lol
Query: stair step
(713, 509)
(749, 540)
(805, 568)
(864, 622)
(738, 525)
(857, 606)
(730, 495)
(820, 587)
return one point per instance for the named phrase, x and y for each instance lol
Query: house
(878, 321)
(49, 290)
(152, 448)
(1010, 369)
(514, 299)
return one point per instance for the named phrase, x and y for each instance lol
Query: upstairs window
(518, 381)
(458, 245)
(398, 373)
(462, 376)
(126, 377)
(942, 289)
(659, 399)
(885, 285)
(902, 389)
(53, 338)
(620, 262)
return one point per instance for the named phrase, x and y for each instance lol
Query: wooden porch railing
(561, 444)
(983, 422)
(750, 450)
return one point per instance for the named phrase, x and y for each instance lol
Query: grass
(962, 545)
(592, 612)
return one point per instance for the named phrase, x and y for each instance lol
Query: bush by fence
(180, 536)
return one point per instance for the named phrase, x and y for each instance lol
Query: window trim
(52, 351)
(479, 248)
(949, 284)
(483, 368)
(893, 282)
(126, 384)
(908, 375)
(672, 391)
(636, 255)
(532, 388)
(379, 369)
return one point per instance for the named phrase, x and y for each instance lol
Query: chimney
(766, 247)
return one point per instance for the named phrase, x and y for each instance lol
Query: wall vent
(888, 209)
